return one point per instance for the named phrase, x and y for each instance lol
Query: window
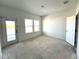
(31, 25)
(36, 25)
(28, 25)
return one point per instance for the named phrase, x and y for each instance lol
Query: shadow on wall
(54, 26)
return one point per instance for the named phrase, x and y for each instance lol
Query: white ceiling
(34, 6)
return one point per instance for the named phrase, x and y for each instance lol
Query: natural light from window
(36, 25)
(28, 25)
(10, 29)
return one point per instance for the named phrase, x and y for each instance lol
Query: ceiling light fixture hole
(65, 2)
(42, 6)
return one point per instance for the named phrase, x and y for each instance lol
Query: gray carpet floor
(42, 47)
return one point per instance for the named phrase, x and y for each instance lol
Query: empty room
(39, 29)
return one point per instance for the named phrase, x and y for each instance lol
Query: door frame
(5, 33)
(76, 30)
(0, 40)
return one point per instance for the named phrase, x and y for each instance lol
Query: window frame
(33, 26)
(36, 25)
(28, 26)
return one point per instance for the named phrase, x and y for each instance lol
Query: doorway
(9, 34)
(70, 30)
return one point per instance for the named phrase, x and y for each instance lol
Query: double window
(31, 25)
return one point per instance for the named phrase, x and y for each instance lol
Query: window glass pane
(28, 22)
(29, 29)
(36, 25)
(10, 29)
(28, 25)
(36, 28)
(11, 37)
(36, 22)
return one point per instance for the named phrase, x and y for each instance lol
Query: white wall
(0, 44)
(20, 15)
(55, 23)
(77, 8)
(54, 26)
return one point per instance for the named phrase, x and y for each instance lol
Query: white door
(70, 30)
